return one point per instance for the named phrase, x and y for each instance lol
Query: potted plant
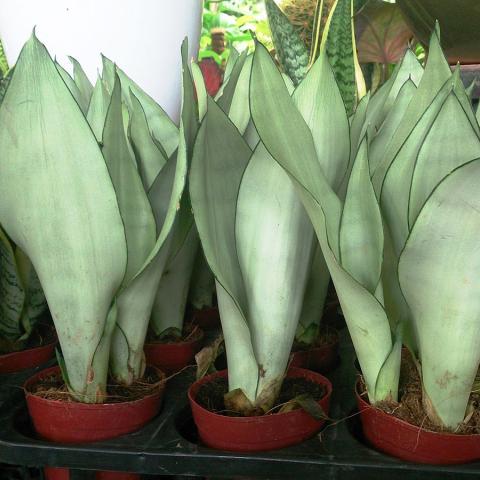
(173, 342)
(96, 238)
(258, 243)
(401, 248)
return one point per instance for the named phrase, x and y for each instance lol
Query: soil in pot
(321, 357)
(171, 353)
(226, 430)
(403, 429)
(208, 318)
(57, 417)
(38, 349)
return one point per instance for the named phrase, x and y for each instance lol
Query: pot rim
(47, 346)
(224, 373)
(403, 423)
(88, 406)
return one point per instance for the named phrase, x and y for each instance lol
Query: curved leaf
(58, 204)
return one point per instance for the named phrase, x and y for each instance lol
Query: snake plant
(97, 238)
(402, 247)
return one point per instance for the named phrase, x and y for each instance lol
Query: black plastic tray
(168, 445)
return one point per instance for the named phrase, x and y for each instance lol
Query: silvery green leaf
(361, 229)
(149, 155)
(319, 100)
(449, 144)
(438, 274)
(274, 240)
(286, 135)
(57, 197)
(97, 110)
(160, 124)
(137, 216)
(72, 86)
(437, 72)
(84, 85)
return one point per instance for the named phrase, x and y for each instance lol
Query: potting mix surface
(53, 388)
(211, 394)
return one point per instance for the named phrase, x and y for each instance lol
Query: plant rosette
(171, 354)
(67, 421)
(399, 438)
(30, 357)
(320, 357)
(257, 433)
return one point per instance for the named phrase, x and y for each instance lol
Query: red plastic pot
(73, 422)
(254, 434)
(398, 438)
(319, 359)
(207, 318)
(33, 357)
(172, 357)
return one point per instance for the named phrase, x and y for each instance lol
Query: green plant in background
(414, 221)
(73, 199)
(237, 18)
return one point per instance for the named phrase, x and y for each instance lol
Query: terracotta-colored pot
(207, 318)
(262, 433)
(319, 359)
(398, 438)
(172, 357)
(24, 359)
(74, 422)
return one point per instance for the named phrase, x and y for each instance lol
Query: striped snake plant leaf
(73, 87)
(361, 229)
(12, 292)
(289, 47)
(4, 82)
(98, 108)
(149, 154)
(437, 72)
(274, 115)
(274, 241)
(4, 68)
(220, 157)
(83, 83)
(438, 274)
(340, 50)
(137, 215)
(58, 204)
(162, 127)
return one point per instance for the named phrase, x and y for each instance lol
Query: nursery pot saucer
(260, 433)
(173, 356)
(25, 359)
(398, 438)
(321, 358)
(207, 318)
(74, 422)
